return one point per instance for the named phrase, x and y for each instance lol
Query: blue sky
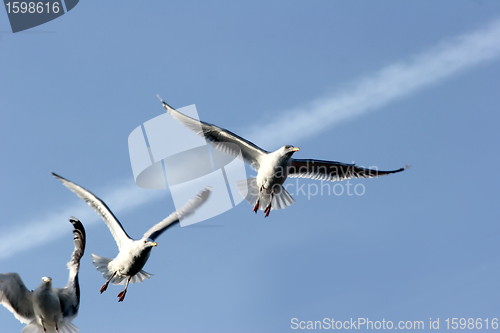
(383, 84)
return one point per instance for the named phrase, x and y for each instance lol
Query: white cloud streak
(48, 227)
(367, 94)
(386, 85)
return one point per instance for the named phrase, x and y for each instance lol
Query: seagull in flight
(46, 309)
(266, 191)
(127, 266)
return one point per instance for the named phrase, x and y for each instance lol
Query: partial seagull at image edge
(47, 309)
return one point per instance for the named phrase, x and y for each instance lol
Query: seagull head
(148, 243)
(289, 150)
(139, 248)
(46, 283)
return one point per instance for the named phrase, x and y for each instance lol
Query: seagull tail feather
(250, 191)
(67, 327)
(139, 277)
(101, 264)
(64, 326)
(281, 198)
(32, 327)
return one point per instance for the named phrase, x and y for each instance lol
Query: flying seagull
(46, 309)
(266, 191)
(127, 266)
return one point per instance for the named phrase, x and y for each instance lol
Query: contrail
(386, 85)
(364, 95)
(47, 228)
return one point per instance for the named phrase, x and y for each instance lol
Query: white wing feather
(188, 209)
(100, 207)
(16, 297)
(220, 138)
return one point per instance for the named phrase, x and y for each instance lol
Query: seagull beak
(154, 244)
(295, 149)
(46, 279)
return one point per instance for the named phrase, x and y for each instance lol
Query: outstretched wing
(69, 296)
(188, 209)
(16, 297)
(100, 207)
(220, 138)
(333, 171)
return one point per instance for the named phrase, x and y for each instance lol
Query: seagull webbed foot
(105, 286)
(121, 295)
(267, 211)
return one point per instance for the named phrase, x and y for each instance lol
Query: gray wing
(220, 138)
(69, 296)
(100, 207)
(188, 209)
(16, 297)
(332, 171)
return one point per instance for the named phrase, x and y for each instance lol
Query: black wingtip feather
(56, 175)
(79, 233)
(165, 105)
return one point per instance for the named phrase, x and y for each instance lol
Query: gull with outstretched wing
(127, 266)
(266, 191)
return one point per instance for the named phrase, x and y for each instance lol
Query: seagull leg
(268, 208)
(43, 324)
(124, 291)
(105, 286)
(256, 207)
(257, 204)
